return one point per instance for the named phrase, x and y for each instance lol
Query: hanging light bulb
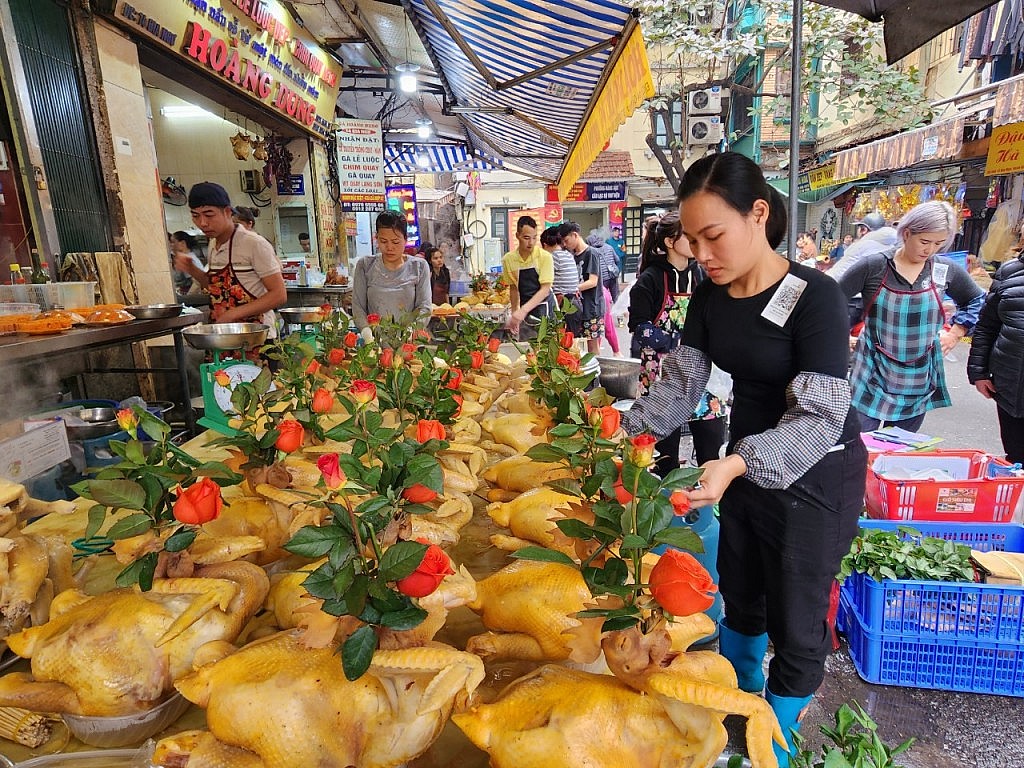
(407, 81)
(422, 160)
(423, 127)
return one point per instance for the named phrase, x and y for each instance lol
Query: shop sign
(589, 191)
(361, 165)
(254, 46)
(1006, 150)
(402, 198)
(295, 184)
(537, 214)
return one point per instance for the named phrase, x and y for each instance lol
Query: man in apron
(243, 277)
(529, 271)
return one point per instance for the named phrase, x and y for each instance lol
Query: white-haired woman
(898, 373)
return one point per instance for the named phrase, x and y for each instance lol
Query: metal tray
(226, 335)
(297, 315)
(154, 311)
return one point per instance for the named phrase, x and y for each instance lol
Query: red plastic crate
(988, 492)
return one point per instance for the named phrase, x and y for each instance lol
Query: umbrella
(909, 24)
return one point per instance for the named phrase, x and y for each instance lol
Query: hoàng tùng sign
(253, 46)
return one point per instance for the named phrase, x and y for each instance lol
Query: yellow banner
(1006, 150)
(253, 46)
(629, 83)
(825, 176)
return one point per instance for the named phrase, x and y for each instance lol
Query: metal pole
(794, 123)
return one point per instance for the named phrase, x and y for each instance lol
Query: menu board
(361, 165)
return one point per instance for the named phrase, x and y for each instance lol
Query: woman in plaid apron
(898, 373)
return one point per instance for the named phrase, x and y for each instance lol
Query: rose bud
(323, 401)
(336, 356)
(641, 450)
(476, 360)
(222, 378)
(429, 428)
(408, 350)
(330, 469)
(567, 339)
(419, 494)
(458, 401)
(363, 391)
(493, 343)
(681, 585)
(314, 367)
(428, 574)
(680, 502)
(373, 319)
(568, 361)
(351, 339)
(453, 378)
(199, 503)
(387, 357)
(291, 435)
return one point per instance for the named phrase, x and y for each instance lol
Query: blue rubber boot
(746, 654)
(787, 710)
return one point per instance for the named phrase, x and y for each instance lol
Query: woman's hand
(717, 476)
(986, 387)
(949, 339)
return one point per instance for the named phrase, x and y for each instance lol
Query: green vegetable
(906, 554)
(855, 744)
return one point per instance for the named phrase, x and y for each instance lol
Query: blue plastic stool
(704, 523)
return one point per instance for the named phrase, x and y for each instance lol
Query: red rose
(323, 401)
(199, 503)
(641, 451)
(428, 574)
(681, 585)
(326, 310)
(373, 319)
(453, 379)
(363, 391)
(408, 350)
(290, 438)
(481, 339)
(476, 360)
(419, 494)
(331, 470)
(421, 334)
(493, 344)
(313, 368)
(336, 356)
(458, 401)
(351, 339)
(387, 357)
(680, 502)
(429, 428)
(567, 339)
(222, 378)
(607, 418)
(568, 361)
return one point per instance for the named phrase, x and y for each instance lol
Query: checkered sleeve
(672, 400)
(818, 405)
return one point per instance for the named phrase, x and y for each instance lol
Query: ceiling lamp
(423, 126)
(407, 77)
(422, 160)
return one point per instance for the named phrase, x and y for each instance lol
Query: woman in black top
(657, 309)
(791, 486)
(440, 277)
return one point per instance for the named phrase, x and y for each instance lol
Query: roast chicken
(531, 517)
(119, 653)
(292, 706)
(521, 473)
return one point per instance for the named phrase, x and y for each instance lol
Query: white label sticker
(939, 272)
(784, 301)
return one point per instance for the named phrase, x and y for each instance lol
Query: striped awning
(542, 84)
(435, 158)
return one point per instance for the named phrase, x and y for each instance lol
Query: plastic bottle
(17, 278)
(45, 273)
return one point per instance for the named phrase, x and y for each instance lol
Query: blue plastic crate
(973, 666)
(942, 609)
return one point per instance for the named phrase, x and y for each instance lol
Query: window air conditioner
(705, 102)
(704, 130)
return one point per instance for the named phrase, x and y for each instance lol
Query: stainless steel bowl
(92, 422)
(226, 335)
(298, 315)
(154, 311)
(620, 376)
(97, 415)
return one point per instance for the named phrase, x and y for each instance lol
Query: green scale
(304, 321)
(228, 342)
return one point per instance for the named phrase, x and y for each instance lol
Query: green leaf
(680, 537)
(632, 541)
(154, 489)
(133, 452)
(401, 559)
(616, 623)
(129, 526)
(568, 445)
(576, 528)
(320, 582)
(564, 430)
(140, 572)
(565, 485)
(545, 452)
(652, 515)
(312, 541)
(116, 494)
(181, 539)
(544, 555)
(151, 425)
(684, 477)
(356, 593)
(357, 652)
(424, 468)
(408, 618)
(97, 514)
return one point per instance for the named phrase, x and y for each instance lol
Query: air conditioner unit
(252, 181)
(704, 130)
(705, 102)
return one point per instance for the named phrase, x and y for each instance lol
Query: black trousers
(1011, 431)
(778, 554)
(708, 438)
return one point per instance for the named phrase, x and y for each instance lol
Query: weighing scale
(302, 320)
(221, 338)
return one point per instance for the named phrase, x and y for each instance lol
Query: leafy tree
(694, 44)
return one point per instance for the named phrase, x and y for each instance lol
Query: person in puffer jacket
(995, 365)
